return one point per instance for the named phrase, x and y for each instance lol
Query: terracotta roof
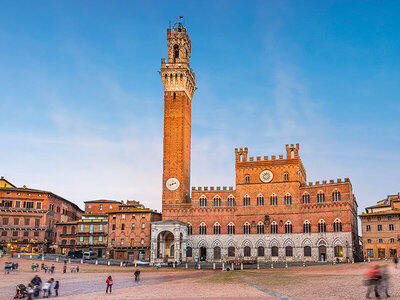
(67, 223)
(102, 201)
(384, 212)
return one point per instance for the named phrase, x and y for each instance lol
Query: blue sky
(82, 103)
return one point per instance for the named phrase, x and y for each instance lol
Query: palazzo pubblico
(272, 214)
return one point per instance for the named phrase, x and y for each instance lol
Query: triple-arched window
(274, 227)
(336, 196)
(231, 228)
(260, 228)
(320, 197)
(203, 228)
(288, 227)
(337, 225)
(217, 228)
(306, 198)
(246, 200)
(246, 228)
(203, 200)
(231, 200)
(217, 201)
(306, 226)
(288, 199)
(321, 226)
(273, 199)
(260, 200)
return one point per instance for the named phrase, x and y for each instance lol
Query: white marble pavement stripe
(271, 293)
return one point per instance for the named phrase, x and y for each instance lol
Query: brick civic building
(272, 214)
(28, 216)
(380, 228)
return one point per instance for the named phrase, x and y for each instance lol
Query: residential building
(380, 228)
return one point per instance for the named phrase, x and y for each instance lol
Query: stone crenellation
(325, 182)
(241, 154)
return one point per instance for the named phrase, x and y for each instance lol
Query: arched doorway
(217, 253)
(165, 245)
(322, 252)
(203, 253)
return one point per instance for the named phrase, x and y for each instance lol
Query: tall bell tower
(179, 85)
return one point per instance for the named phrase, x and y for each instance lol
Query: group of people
(377, 279)
(35, 286)
(8, 266)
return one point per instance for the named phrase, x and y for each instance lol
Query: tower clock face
(172, 184)
(266, 176)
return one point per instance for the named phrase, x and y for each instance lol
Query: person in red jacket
(109, 282)
(373, 280)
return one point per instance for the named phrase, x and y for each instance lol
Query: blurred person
(56, 287)
(384, 284)
(29, 291)
(42, 266)
(110, 283)
(52, 269)
(395, 261)
(373, 277)
(7, 267)
(33, 266)
(46, 289)
(64, 269)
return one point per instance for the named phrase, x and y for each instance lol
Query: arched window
(72, 242)
(231, 251)
(176, 51)
(246, 228)
(73, 230)
(203, 228)
(247, 251)
(338, 251)
(288, 199)
(231, 201)
(190, 229)
(217, 228)
(247, 178)
(337, 226)
(336, 196)
(203, 200)
(231, 228)
(274, 251)
(288, 227)
(217, 201)
(307, 251)
(320, 197)
(274, 227)
(260, 200)
(64, 230)
(260, 251)
(246, 200)
(189, 252)
(289, 251)
(306, 226)
(286, 176)
(321, 226)
(273, 200)
(306, 198)
(260, 228)
(217, 252)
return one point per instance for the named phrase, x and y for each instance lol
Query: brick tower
(179, 85)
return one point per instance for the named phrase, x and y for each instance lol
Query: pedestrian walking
(385, 280)
(110, 283)
(373, 278)
(7, 267)
(64, 269)
(33, 266)
(52, 269)
(46, 289)
(46, 268)
(56, 287)
(137, 275)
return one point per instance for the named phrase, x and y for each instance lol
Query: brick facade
(28, 217)
(264, 211)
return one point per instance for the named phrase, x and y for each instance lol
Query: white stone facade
(297, 240)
